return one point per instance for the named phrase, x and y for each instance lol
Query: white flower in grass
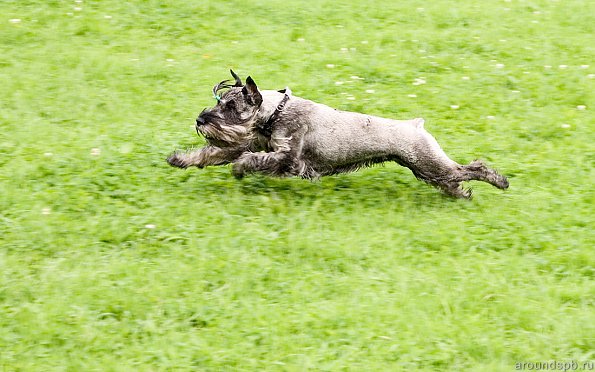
(46, 211)
(466, 78)
(330, 65)
(339, 83)
(354, 77)
(351, 98)
(14, 20)
(565, 126)
(77, 8)
(95, 151)
(412, 95)
(581, 107)
(547, 67)
(107, 16)
(563, 67)
(48, 154)
(490, 117)
(584, 66)
(591, 76)
(454, 107)
(499, 65)
(370, 91)
(419, 81)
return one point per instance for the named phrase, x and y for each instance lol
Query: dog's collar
(267, 127)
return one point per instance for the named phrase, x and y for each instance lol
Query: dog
(278, 134)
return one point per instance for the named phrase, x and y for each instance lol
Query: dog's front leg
(277, 164)
(208, 155)
(281, 162)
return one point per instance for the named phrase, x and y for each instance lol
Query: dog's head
(227, 124)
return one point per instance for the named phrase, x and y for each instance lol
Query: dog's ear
(238, 81)
(251, 92)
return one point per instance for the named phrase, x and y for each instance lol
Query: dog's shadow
(375, 185)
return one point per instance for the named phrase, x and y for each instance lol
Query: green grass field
(112, 260)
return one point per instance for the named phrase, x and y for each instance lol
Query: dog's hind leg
(477, 170)
(430, 163)
(449, 179)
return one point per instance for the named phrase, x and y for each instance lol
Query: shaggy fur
(311, 140)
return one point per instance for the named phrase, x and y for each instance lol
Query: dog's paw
(238, 170)
(176, 161)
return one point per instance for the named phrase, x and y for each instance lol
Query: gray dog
(274, 133)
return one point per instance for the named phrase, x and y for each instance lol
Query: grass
(112, 260)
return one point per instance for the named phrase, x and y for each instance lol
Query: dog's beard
(228, 135)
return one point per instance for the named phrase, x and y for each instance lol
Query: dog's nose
(200, 120)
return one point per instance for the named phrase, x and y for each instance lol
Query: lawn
(112, 260)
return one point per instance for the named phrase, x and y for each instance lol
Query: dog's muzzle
(200, 120)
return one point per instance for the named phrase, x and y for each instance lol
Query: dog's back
(336, 140)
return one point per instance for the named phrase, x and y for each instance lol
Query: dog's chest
(262, 143)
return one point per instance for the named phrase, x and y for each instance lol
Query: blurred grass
(112, 260)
